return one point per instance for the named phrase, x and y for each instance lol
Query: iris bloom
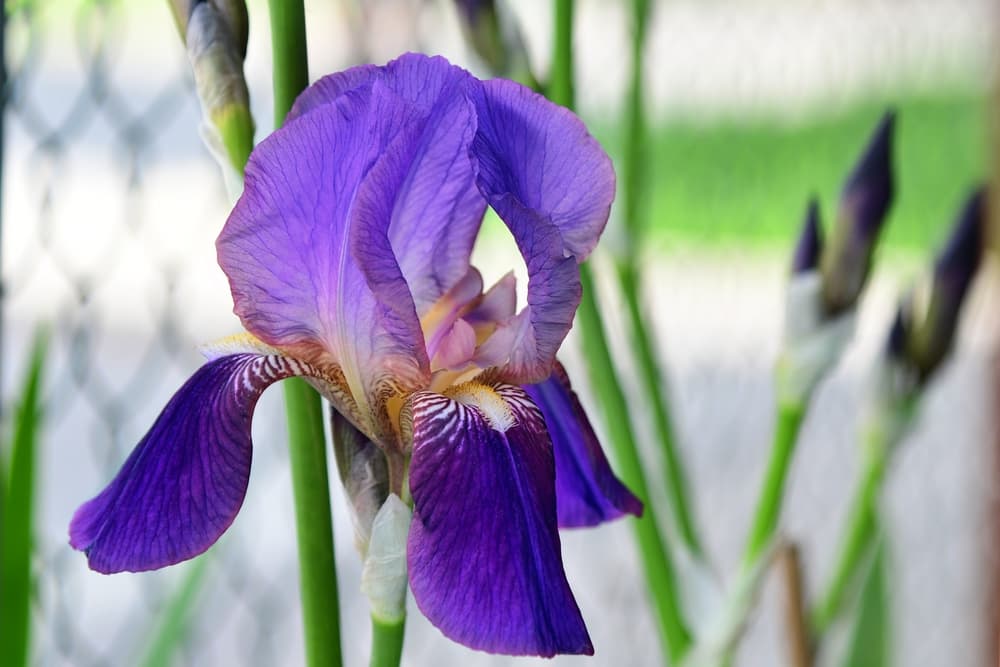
(348, 259)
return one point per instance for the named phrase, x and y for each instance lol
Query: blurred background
(111, 205)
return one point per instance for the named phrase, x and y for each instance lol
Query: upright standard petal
(288, 249)
(587, 491)
(484, 552)
(422, 197)
(552, 184)
(330, 87)
(435, 206)
(182, 486)
(542, 154)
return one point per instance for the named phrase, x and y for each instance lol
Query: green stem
(288, 50)
(311, 487)
(173, 623)
(634, 163)
(560, 88)
(17, 524)
(635, 167)
(765, 521)
(856, 543)
(658, 566)
(656, 561)
(387, 642)
(307, 444)
(652, 385)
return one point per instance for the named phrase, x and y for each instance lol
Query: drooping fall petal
(182, 486)
(484, 552)
(587, 491)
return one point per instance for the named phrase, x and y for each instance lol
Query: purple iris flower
(348, 259)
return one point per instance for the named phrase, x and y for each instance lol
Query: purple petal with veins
(551, 183)
(184, 483)
(289, 250)
(587, 491)
(484, 552)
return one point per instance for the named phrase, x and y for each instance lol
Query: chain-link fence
(110, 210)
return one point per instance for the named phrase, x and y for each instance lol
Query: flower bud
(383, 579)
(215, 32)
(233, 12)
(864, 203)
(810, 245)
(363, 472)
(496, 40)
(481, 28)
(924, 329)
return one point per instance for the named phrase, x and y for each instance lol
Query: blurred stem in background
(765, 523)
(318, 587)
(871, 633)
(657, 563)
(17, 512)
(173, 623)
(497, 40)
(857, 541)
(635, 218)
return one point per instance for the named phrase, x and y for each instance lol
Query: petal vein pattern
(484, 552)
(184, 483)
(289, 246)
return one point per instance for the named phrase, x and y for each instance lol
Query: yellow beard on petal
(489, 403)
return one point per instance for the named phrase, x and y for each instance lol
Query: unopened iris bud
(481, 28)
(864, 203)
(924, 329)
(233, 12)
(363, 472)
(812, 340)
(383, 578)
(497, 41)
(810, 245)
(215, 32)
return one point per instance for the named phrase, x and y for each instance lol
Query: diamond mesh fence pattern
(110, 210)
(110, 214)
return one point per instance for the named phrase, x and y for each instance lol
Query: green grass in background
(748, 182)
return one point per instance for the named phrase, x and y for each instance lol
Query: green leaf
(18, 516)
(174, 622)
(871, 634)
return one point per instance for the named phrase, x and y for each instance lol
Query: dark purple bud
(864, 203)
(925, 327)
(958, 261)
(494, 35)
(896, 346)
(810, 245)
(481, 27)
(869, 189)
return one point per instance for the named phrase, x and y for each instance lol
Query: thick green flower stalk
(307, 443)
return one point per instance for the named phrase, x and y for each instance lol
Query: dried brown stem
(799, 645)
